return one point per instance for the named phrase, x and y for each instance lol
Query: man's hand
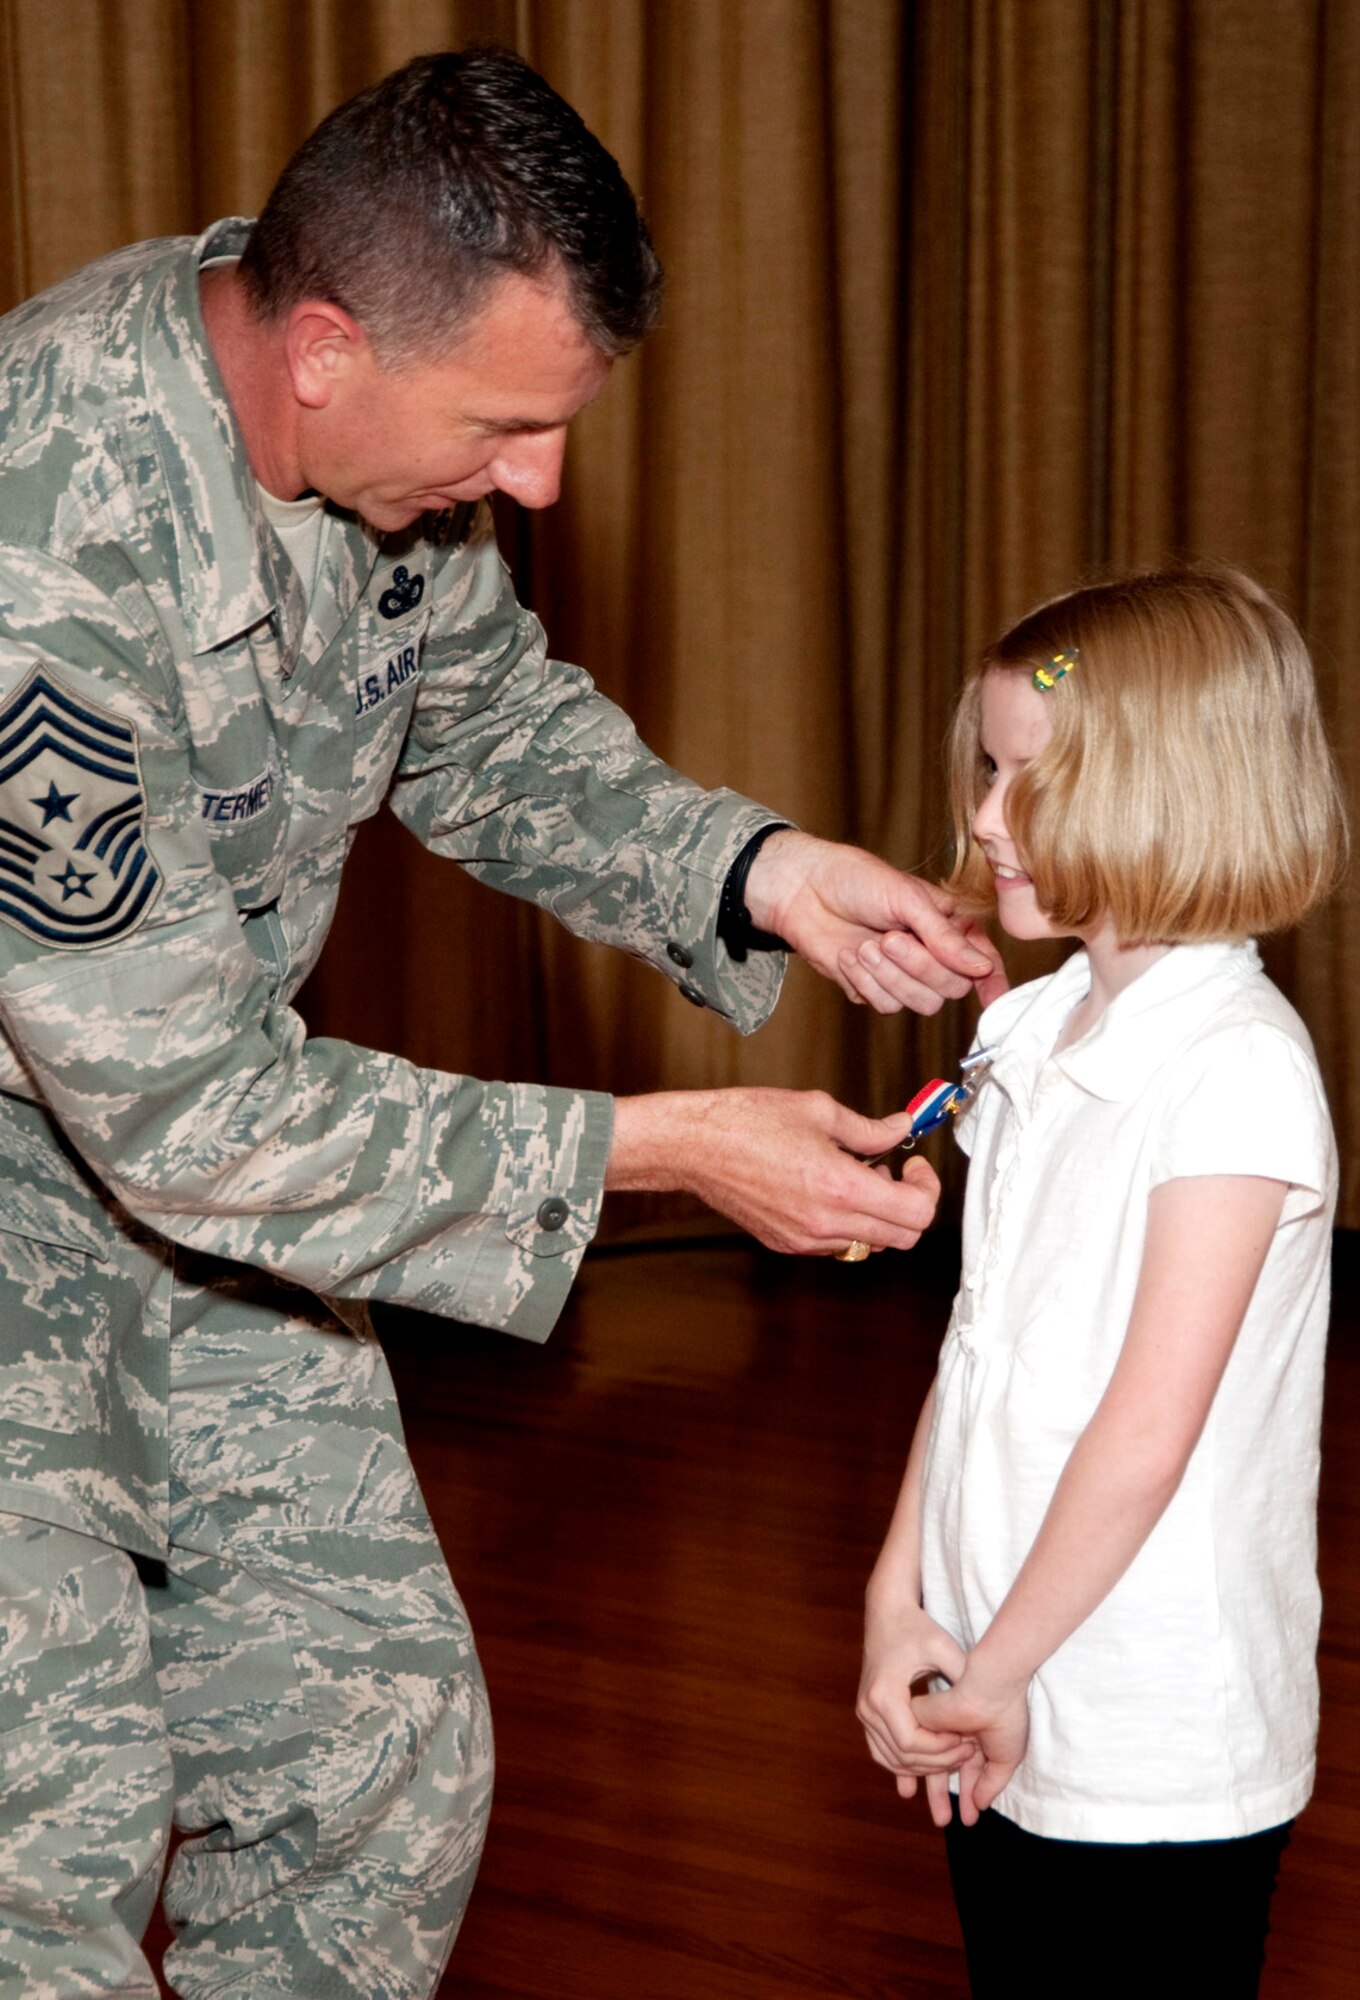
(885, 938)
(779, 1162)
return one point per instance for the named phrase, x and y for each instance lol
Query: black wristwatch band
(735, 929)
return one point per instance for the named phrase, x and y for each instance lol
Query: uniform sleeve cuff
(506, 1258)
(691, 953)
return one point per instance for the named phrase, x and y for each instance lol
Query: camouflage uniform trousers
(303, 1663)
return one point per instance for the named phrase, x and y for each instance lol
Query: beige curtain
(967, 298)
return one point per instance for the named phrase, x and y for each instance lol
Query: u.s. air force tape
(75, 869)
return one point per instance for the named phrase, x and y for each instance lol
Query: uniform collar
(233, 571)
(1139, 1029)
(232, 576)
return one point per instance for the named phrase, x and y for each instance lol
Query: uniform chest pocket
(246, 820)
(235, 744)
(387, 676)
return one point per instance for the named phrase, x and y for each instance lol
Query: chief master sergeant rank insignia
(74, 865)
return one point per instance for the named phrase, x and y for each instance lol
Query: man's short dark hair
(410, 200)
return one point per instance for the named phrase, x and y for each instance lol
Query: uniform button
(553, 1212)
(695, 998)
(677, 955)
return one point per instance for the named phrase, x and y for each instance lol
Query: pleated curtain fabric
(968, 299)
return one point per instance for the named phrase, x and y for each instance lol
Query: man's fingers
(860, 1205)
(919, 1175)
(995, 983)
(890, 940)
(899, 968)
(891, 1215)
(858, 1133)
(927, 913)
(781, 1163)
(908, 957)
(894, 1217)
(870, 979)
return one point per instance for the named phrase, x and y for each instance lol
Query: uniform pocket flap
(48, 1215)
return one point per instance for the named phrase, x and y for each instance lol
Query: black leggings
(1162, 1920)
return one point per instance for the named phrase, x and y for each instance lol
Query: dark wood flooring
(662, 1522)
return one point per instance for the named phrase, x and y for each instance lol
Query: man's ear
(324, 346)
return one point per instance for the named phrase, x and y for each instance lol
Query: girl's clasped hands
(973, 1728)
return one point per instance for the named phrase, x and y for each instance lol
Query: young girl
(1103, 1556)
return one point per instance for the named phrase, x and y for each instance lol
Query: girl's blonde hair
(1187, 791)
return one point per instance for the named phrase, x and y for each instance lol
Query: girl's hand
(902, 1646)
(994, 1717)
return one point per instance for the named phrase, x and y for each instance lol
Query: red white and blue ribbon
(937, 1100)
(933, 1103)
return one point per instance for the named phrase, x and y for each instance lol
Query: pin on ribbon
(933, 1104)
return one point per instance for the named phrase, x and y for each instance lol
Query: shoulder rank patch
(75, 869)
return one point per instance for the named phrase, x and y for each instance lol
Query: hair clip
(1055, 669)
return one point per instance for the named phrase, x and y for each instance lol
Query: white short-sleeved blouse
(1185, 1707)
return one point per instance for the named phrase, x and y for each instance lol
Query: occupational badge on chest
(403, 594)
(75, 869)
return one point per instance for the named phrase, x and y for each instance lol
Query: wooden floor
(661, 1523)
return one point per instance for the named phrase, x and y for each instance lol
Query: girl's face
(1016, 724)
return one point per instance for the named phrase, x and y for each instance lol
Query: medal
(932, 1105)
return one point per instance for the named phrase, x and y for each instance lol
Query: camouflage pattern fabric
(186, 749)
(188, 742)
(318, 1689)
(84, 1765)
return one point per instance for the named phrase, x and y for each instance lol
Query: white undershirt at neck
(301, 526)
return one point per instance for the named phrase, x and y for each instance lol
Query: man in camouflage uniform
(222, 1595)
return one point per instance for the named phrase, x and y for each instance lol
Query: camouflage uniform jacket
(186, 748)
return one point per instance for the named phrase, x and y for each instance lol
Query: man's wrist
(737, 930)
(649, 1141)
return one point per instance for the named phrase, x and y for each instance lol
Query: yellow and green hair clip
(1056, 669)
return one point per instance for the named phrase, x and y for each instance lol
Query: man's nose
(529, 467)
